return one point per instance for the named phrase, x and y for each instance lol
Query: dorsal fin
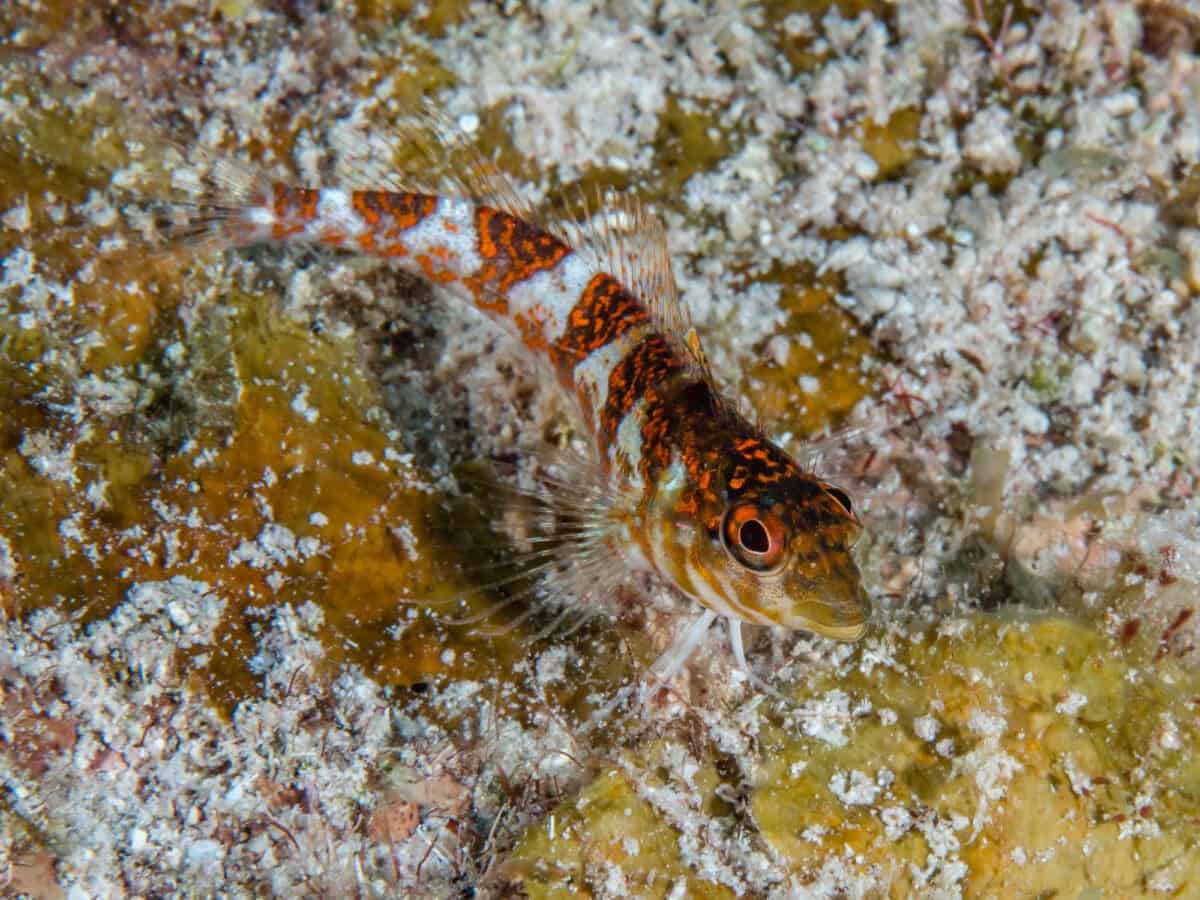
(620, 235)
(626, 239)
(427, 152)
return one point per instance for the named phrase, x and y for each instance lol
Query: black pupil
(754, 537)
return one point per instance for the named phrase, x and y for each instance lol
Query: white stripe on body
(591, 373)
(626, 451)
(705, 595)
(549, 296)
(335, 213)
(449, 228)
(726, 600)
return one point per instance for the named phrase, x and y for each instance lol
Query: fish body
(719, 511)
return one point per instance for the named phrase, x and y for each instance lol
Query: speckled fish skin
(725, 515)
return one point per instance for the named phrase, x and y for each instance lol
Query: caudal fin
(168, 194)
(212, 203)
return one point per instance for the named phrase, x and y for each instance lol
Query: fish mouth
(842, 618)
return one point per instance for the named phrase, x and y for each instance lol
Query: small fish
(684, 485)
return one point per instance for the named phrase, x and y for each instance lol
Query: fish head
(771, 543)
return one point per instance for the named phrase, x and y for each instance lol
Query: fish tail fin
(146, 192)
(203, 190)
(192, 199)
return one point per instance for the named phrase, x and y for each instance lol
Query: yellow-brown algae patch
(49, 131)
(984, 757)
(608, 840)
(298, 496)
(892, 144)
(432, 18)
(809, 375)
(311, 500)
(690, 140)
(1002, 759)
(796, 41)
(77, 290)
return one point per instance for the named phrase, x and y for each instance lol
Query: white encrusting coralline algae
(1027, 283)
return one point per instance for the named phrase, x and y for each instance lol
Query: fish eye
(756, 538)
(753, 537)
(842, 498)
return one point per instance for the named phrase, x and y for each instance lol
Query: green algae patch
(1000, 758)
(606, 841)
